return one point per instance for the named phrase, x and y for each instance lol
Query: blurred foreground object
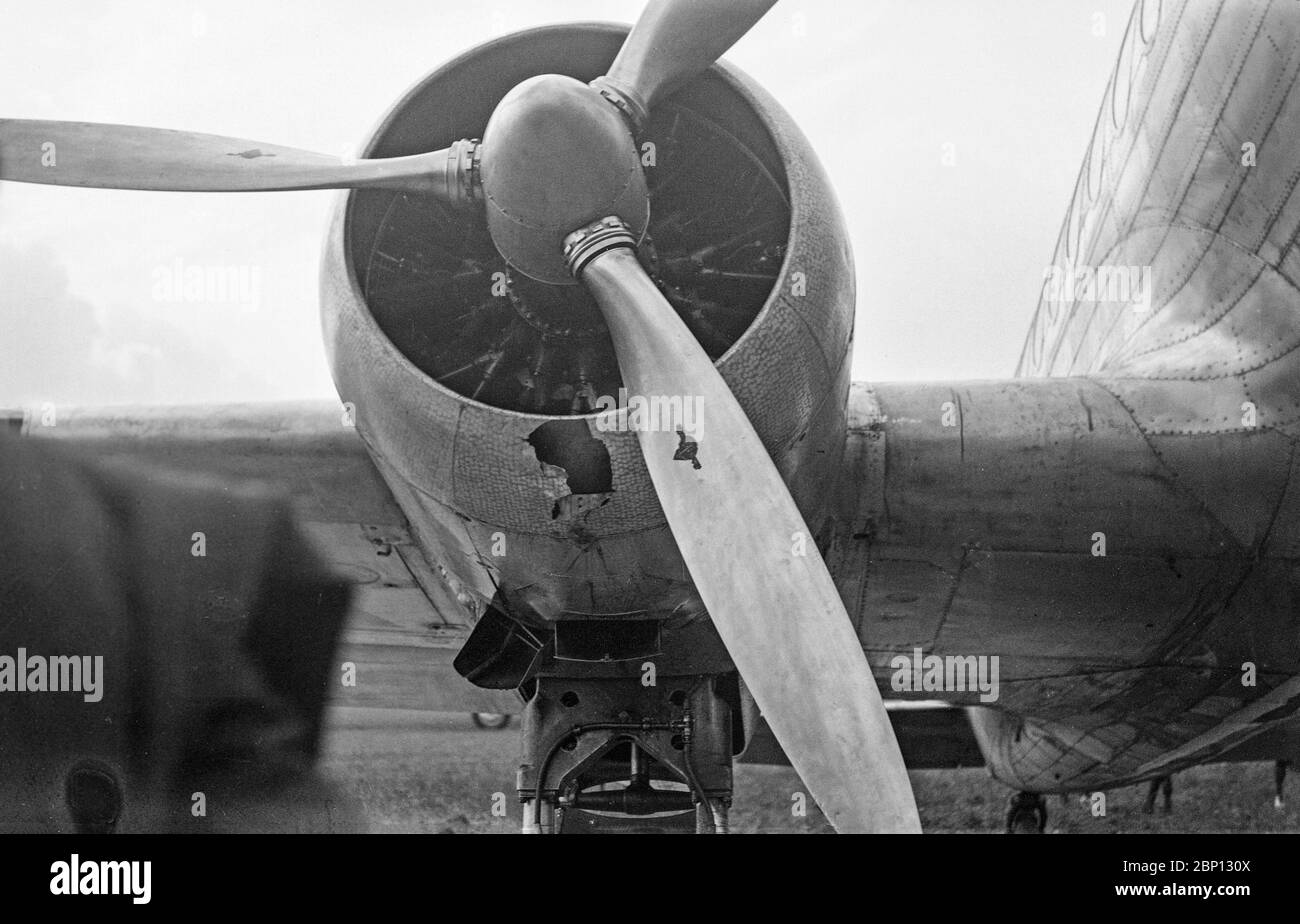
(216, 627)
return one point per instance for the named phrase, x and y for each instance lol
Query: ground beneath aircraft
(436, 773)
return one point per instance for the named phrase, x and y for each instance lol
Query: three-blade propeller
(557, 153)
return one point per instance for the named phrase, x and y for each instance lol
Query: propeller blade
(130, 157)
(672, 42)
(778, 613)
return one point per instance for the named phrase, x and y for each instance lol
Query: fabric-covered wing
(406, 624)
(1177, 260)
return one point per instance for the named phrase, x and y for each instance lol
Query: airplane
(588, 303)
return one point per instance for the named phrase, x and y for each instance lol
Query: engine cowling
(476, 387)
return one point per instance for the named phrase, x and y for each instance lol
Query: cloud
(60, 347)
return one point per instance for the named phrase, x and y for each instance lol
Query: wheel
(492, 720)
(1027, 814)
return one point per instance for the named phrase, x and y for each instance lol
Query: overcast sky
(950, 258)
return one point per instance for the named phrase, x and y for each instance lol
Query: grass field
(437, 773)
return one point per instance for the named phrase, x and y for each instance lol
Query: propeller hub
(558, 157)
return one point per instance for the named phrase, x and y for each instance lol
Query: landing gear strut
(611, 757)
(1027, 814)
(1165, 783)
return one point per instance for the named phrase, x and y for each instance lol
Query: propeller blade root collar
(585, 244)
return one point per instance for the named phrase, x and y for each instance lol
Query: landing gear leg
(1026, 814)
(1163, 784)
(608, 755)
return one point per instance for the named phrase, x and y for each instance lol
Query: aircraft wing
(932, 735)
(406, 624)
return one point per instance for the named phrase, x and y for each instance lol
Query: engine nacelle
(475, 386)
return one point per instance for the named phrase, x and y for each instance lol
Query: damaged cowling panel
(568, 451)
